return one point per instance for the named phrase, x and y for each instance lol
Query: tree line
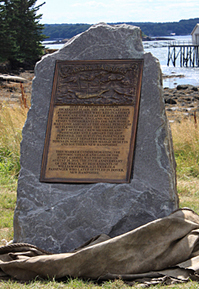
(182, 27)
(21, 34)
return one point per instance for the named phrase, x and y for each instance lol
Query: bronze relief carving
(97, 83)
(92, 121)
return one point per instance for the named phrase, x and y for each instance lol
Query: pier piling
(188, 55)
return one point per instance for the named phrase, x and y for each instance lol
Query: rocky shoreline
(181, 101)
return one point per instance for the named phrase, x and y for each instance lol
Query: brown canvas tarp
(166, 247)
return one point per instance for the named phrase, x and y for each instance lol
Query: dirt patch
(11, 92)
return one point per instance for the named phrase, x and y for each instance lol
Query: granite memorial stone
(57, 214)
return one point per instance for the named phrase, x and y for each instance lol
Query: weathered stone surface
(60, 217)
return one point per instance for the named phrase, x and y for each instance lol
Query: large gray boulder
(59, 217)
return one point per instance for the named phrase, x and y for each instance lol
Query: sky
(92, 12)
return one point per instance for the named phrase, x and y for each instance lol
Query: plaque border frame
(134, 124)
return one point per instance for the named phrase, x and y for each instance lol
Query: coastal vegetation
(65, 31)
(76, 283)
(20, 32)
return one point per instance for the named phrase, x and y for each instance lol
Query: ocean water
(159, 49)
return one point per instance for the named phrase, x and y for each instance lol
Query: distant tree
(183, 27)
(20, 31)
(4, 28)
(55, 31)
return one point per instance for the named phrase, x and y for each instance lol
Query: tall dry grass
(12, 119)
(186, 148)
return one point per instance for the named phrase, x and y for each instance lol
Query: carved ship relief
(95, 83)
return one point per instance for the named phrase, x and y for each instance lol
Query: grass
(186, 147)
(76, 283)
(11, 122)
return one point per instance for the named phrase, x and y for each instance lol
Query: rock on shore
(182, 100)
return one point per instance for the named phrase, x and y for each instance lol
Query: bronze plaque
(92, 121)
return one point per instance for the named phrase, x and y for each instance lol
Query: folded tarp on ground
(166, 247)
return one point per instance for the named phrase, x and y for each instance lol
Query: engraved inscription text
(94, 143)
(92, 121)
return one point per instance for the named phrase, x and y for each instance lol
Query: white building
(195, 35)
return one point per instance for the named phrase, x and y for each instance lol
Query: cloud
(92, 11)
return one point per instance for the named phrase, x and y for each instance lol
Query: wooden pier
(186, 54)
